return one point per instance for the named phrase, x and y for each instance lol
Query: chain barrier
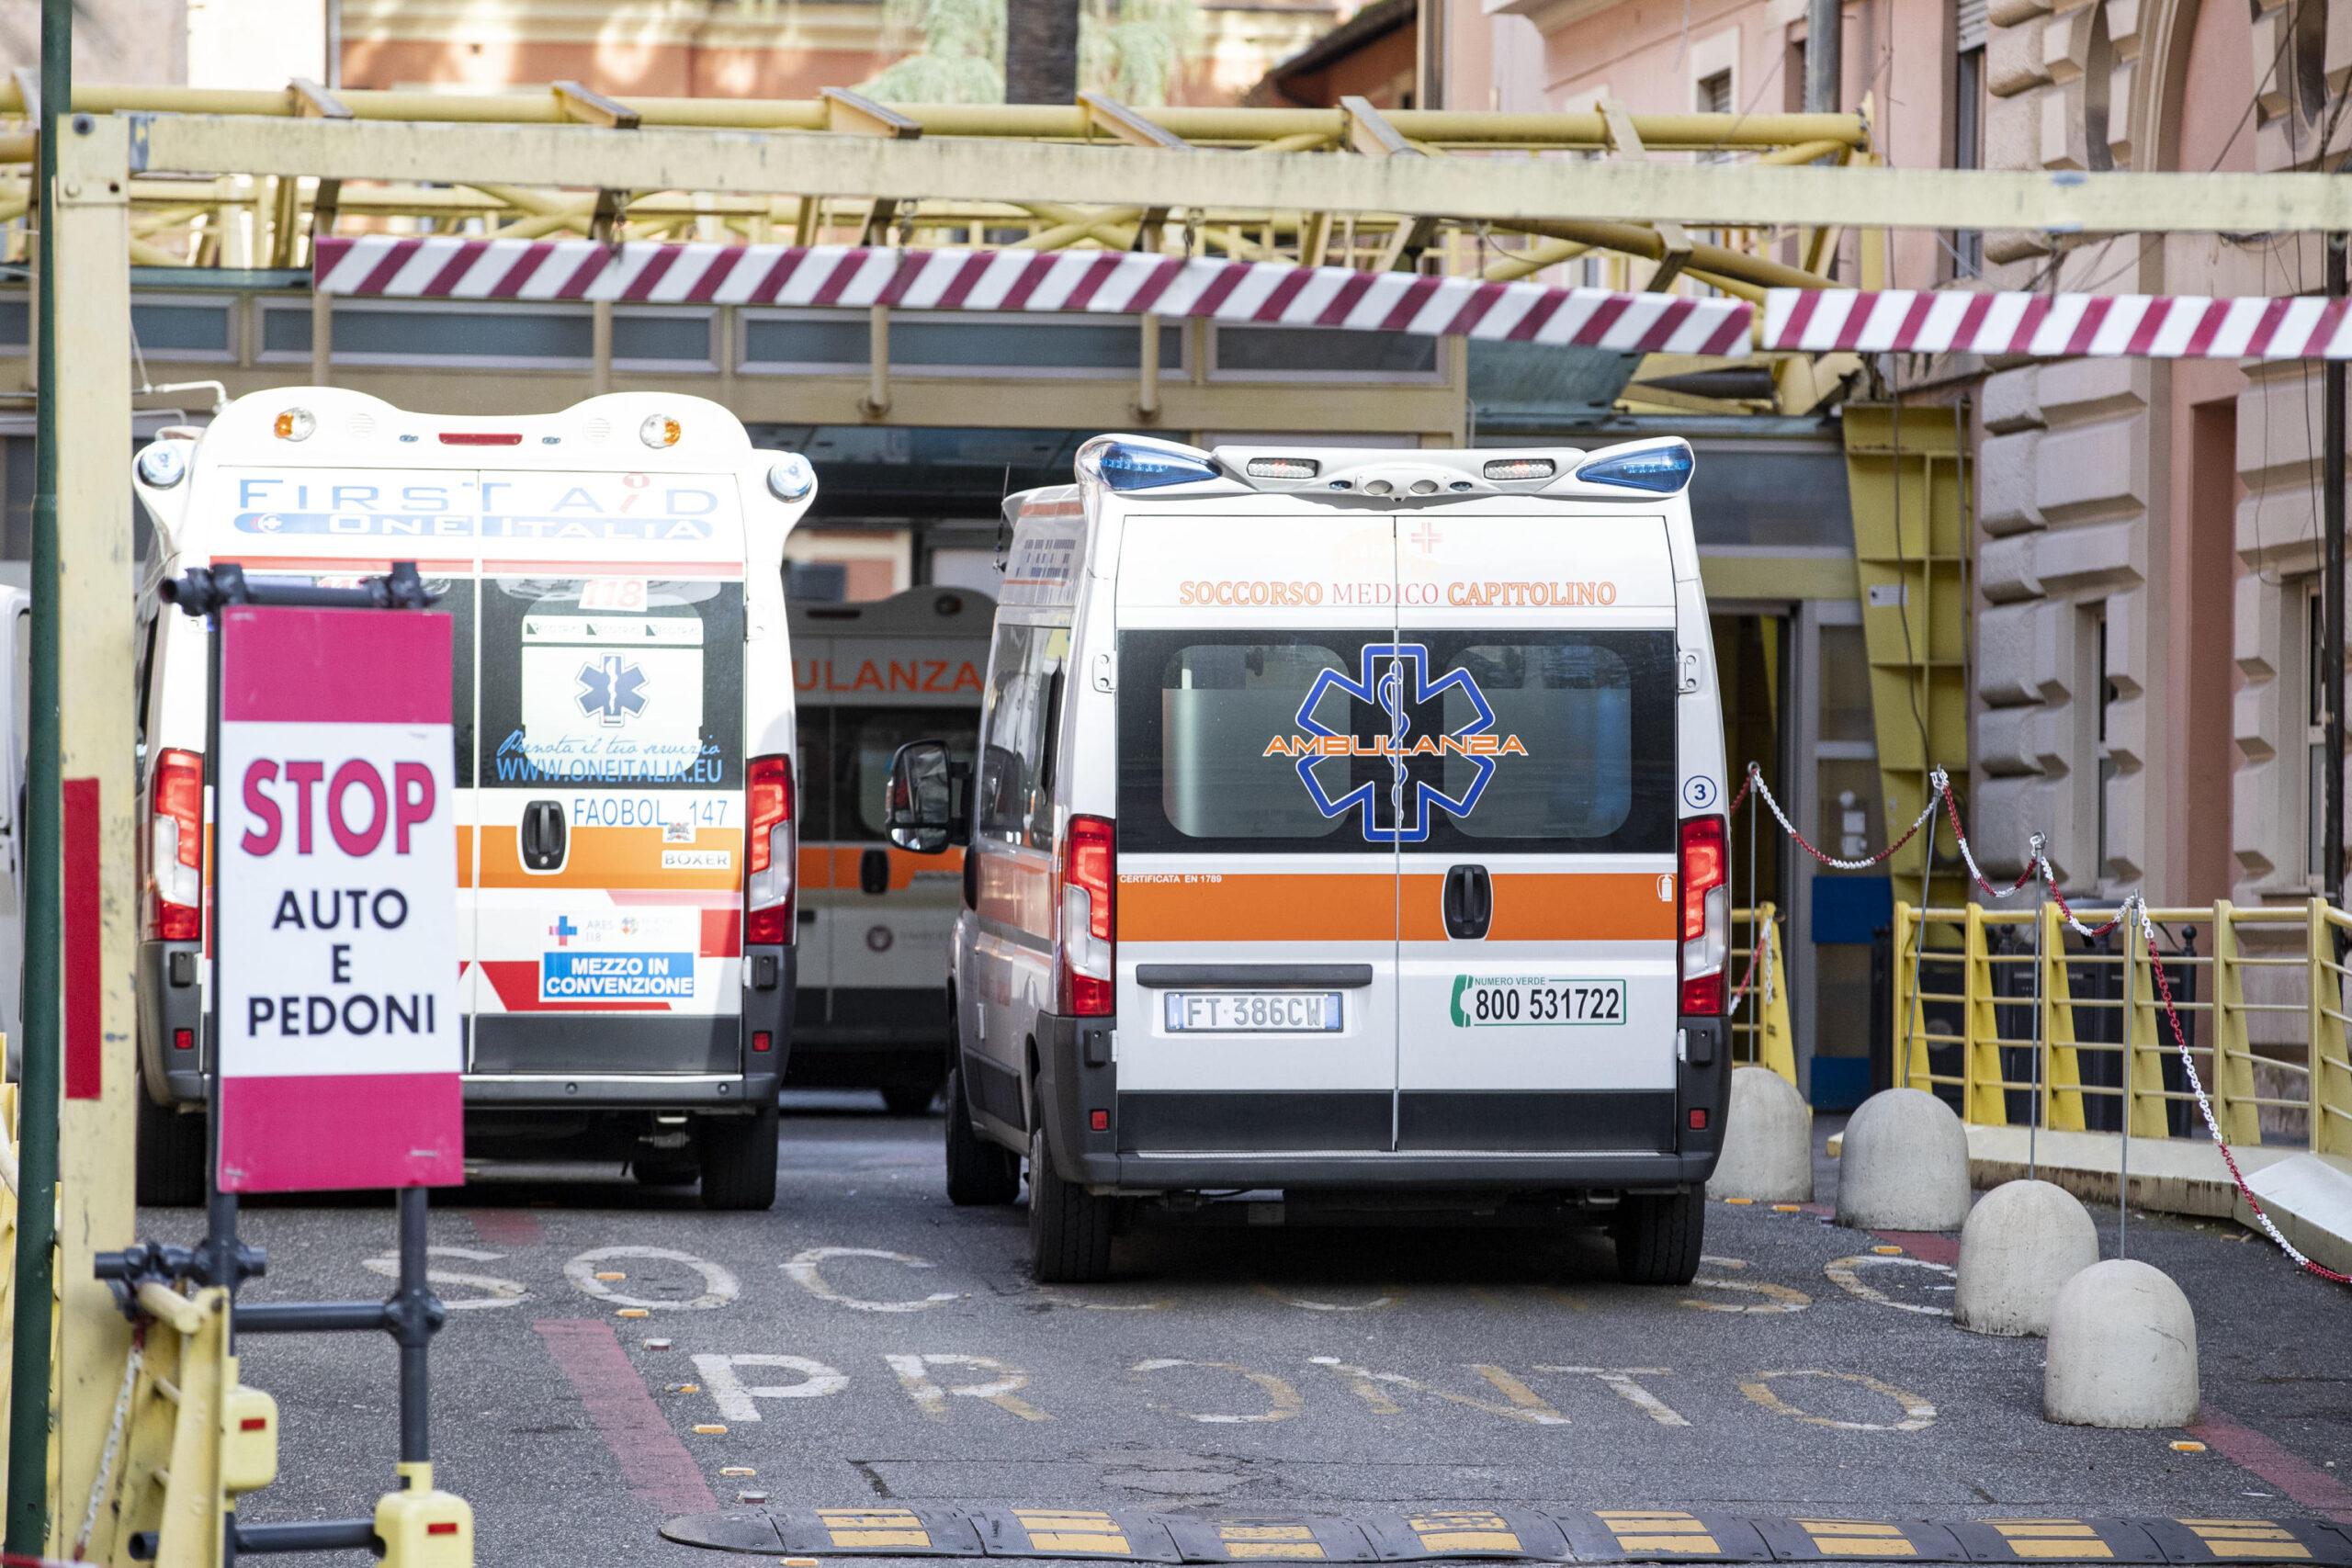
(2197, 1084)
(2038, 866)
(1764, 793)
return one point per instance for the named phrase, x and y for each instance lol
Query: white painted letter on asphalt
(1283, 1401)
(802, 1270)
(735, 1398)
(720, 1287)
(914, 1376)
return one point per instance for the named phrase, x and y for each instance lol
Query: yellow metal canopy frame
(250, 213)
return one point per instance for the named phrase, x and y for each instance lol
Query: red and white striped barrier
(1116, 283)
(2056, 326)
(1096, 282)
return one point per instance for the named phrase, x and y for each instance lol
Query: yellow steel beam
(861, 116)
(95, 1210)
(1494, 189)
(1452, 128)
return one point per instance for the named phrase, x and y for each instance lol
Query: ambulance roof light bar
(1131, 463)
(1661, 467)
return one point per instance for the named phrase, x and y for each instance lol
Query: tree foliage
(1133, 50)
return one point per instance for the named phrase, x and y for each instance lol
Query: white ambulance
(623, 698)
(1347, 831)
(867, 677)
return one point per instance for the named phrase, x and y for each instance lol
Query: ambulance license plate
(1252, 1013)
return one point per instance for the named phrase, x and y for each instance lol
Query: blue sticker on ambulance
(574, 975)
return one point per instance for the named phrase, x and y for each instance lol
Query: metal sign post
(337, 1056)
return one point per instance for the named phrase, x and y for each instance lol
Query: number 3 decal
(1699, 793)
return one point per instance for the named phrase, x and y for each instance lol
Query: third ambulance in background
(874, 921)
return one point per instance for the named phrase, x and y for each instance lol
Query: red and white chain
(1951, 808)
(2138, 906)
(1764, 793)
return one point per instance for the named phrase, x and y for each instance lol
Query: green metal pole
(28, 1513)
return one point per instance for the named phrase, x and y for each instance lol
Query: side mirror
(920, 811)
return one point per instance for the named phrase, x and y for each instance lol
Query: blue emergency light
(1126, 465)
(1663, 469)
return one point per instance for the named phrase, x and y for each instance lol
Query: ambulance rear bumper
(1663, 1151)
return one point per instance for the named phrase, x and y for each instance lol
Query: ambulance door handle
(543, 836)
(874, 872)
(1469, 902)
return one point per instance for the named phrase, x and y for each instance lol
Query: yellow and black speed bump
(737, 1530)
(1550, 1535)
(1465, 1532)
(2055, 1541)
(1075, 1532)
(881, 1529)
(1660, 1535)
(1823, 1538)
(2249, 1540)
(1288, 1537)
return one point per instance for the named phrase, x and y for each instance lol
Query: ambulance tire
(170, 1156)
(980, 1174)
(1659, 1237)
(1069, 1228)
(739, 1160)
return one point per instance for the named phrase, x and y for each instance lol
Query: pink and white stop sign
(339, 1039)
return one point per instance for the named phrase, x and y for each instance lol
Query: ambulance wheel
(664, 1169)
(1069, 1228)
(739, 1160)
(1659, 1237)
(979, 1173)
(909, 1098)
(171, 1155)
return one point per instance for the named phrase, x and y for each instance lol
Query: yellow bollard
(424, 1528)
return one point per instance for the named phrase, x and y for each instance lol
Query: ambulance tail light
(1086, 958)
(1707, 914)
(175, 850)
(770, 853)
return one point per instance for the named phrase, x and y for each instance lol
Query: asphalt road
(617, 1355)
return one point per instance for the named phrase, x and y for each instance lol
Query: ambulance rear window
(1474, 741)
(625, 682)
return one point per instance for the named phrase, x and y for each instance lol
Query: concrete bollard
(1768, 1141)
(1904, 1164)
(2022, 1242)
(2122, 1350)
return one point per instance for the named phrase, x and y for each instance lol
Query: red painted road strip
(1929, 1247)
(84, 959)
(654, 1464)
(2299, 1480)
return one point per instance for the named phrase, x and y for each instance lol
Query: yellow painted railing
(2016, 1019)
(1761, 1035)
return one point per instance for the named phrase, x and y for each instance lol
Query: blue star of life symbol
(611, 689)
(1388, 671)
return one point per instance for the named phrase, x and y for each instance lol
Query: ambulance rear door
(611, 764)
(884, 917)
(1257, 893)
(1537, 888)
